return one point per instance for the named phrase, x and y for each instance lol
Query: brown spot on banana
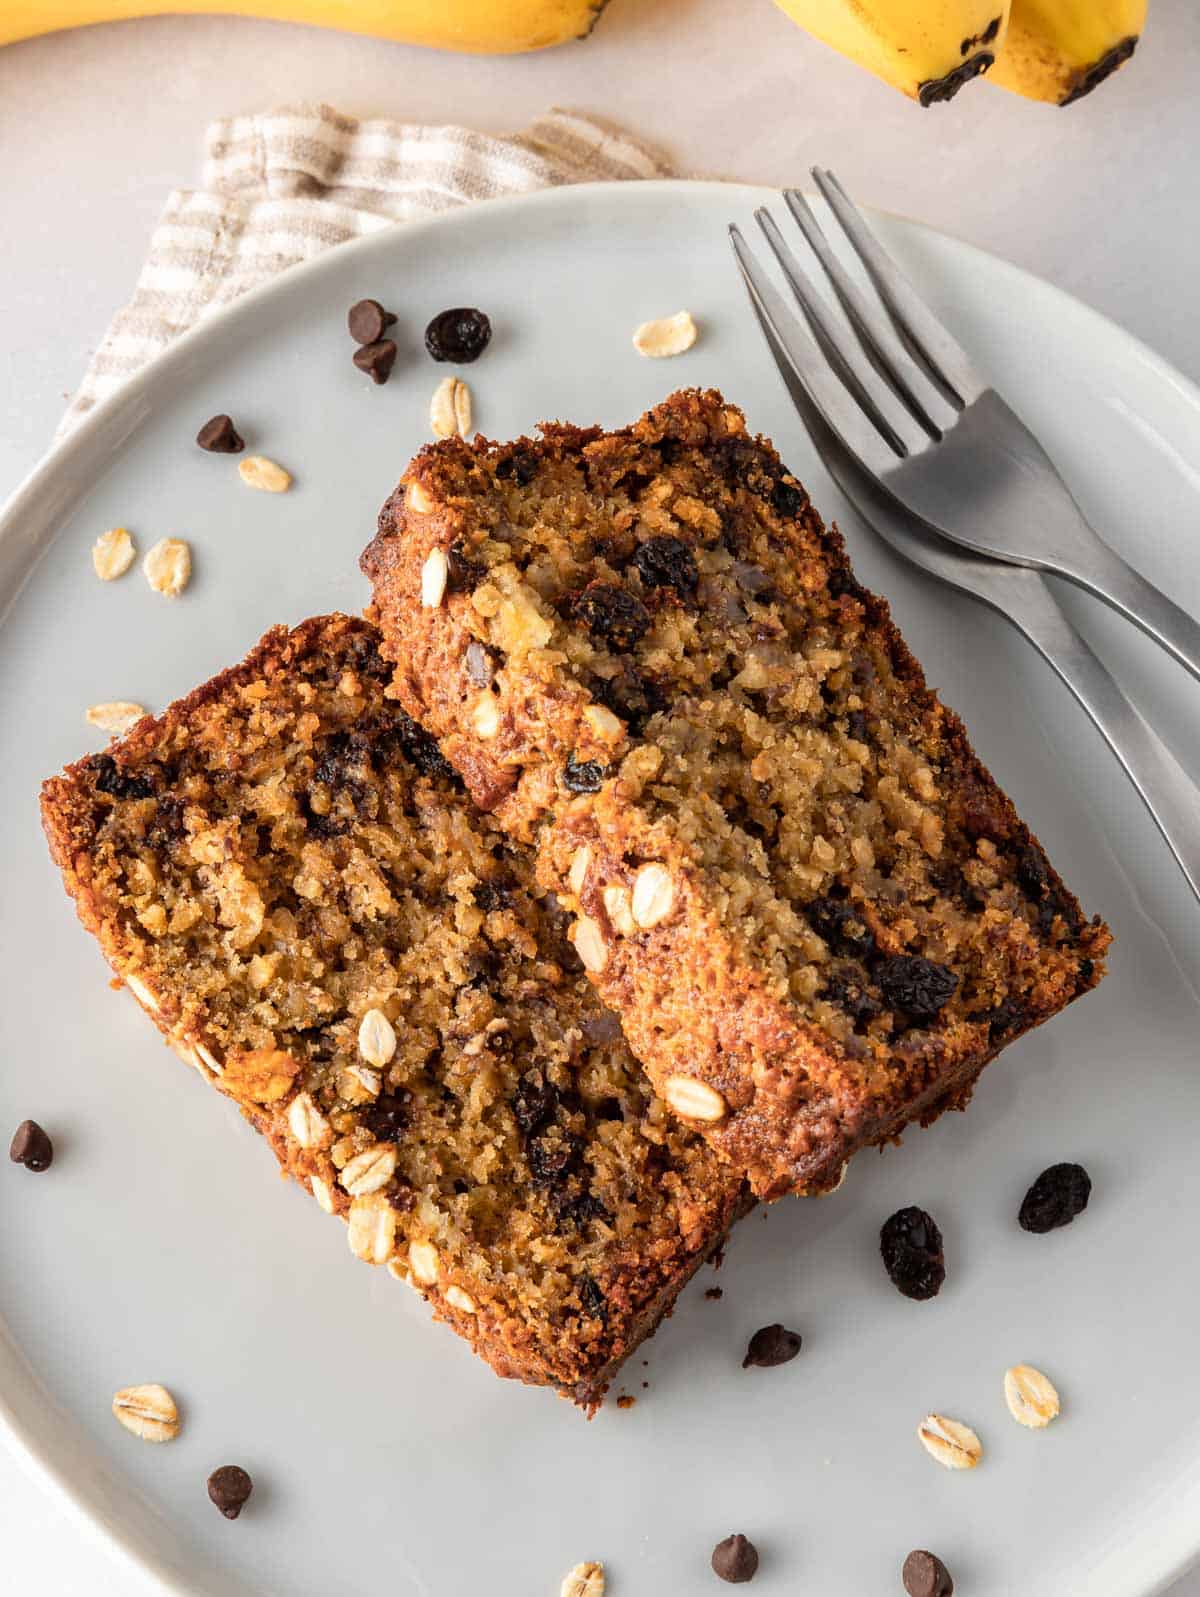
(1092, 77)
(934, 91)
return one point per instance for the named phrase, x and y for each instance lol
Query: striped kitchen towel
(280, 187)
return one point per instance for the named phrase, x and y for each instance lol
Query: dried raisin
(667, 563)
(1002, 1021)
(387, 1116)
(492, 895)
(733, 458)
(842, 927)
(612, 615)
(843, 581)
(845, 987)
(577, 1208)
(918, 986)
(1031, 873)
(857, 728)
(788, 500)
(534, 1102)
(421, 749)
(110, 779)
(553, 1158)
(585, 777)
(460, 335)
(913, 1253)
(521, 466)
(1055, 1198)
(462, 575)
(595, 1305)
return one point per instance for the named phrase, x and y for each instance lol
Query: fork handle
(1165, 788)
(1105, 574)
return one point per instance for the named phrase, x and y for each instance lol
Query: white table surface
(96, 125)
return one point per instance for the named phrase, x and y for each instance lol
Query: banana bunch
(484, 27)
(1055, 50)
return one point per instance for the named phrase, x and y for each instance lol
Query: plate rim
(40, 496)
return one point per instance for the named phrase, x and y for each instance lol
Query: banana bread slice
(815, 911)
(288, 876)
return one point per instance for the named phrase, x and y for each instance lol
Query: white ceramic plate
(387, 1459)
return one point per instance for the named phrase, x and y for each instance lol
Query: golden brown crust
(766, 738)
(282, 851)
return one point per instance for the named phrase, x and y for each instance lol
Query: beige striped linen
(280, 187)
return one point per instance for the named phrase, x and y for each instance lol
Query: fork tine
(943, 357)
(877, 451)
(875, 333)
(878, 401)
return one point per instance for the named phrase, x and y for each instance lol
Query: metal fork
(1022, 597)
(904, 398)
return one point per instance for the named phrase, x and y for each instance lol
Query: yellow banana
(482, 27)
(1059, 50)
(925, 48)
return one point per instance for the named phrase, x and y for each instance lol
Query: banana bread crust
(856, 919)
(274, 855)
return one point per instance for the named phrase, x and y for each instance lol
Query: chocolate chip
(230, 1487)
(773, 1345)
(1059, 1194)
(460, 335)
(735, 1560)
(478, 662)
(376, 359)
(220, 437)
(924, 1575)
(31, 1146)
(368, 321)
(913, 1254)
